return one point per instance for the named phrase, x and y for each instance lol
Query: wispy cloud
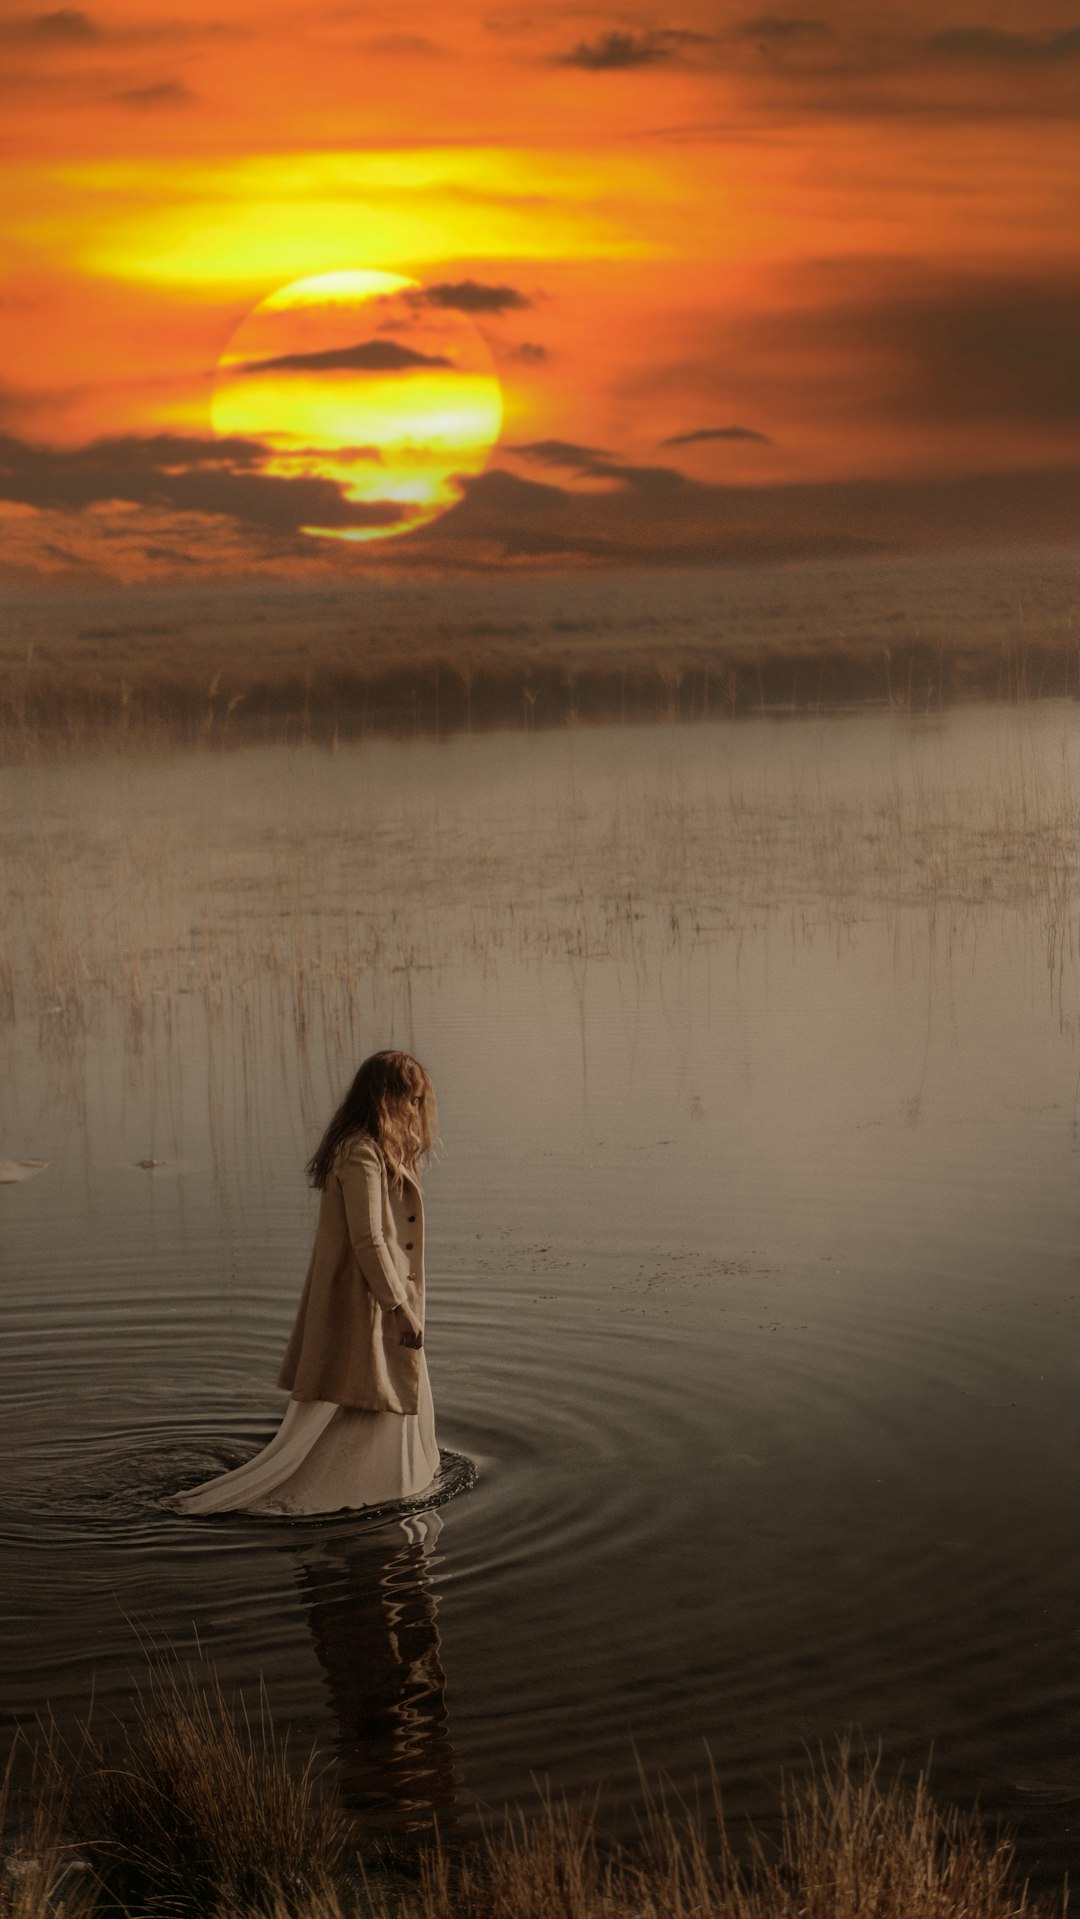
(160, 93)
(717, 433)
(368, 356)
(71, 27)
(773, 30)
(63, 27)
(471, 296)
(998, 45)
(568, 453)
(618, 52)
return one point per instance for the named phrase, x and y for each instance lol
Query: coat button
(412, 1275)
(412, 1218)
(408, 1245)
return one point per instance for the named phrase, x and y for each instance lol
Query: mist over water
(753, 1271)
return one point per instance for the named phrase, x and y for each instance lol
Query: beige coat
(368, 1257)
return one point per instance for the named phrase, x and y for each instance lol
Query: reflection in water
(374, 1622)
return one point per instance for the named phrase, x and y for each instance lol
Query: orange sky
(752, 283)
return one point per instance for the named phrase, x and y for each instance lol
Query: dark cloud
(568, 453)
(190, 488)
(781, 30)
(72, 27)
(887, 341)
(594, 463)
(613, 52)
(149, 451)
(523, 519)
(618, 52)
(860, 68)
(949, 348)
(717, 433)
(180, 473)
(164, 93)
(175, 555)
(65, 27)
(996, 44)
(529, 352)
(1001, 351)
(648, 482)
(470, 296)
(693, 524)
(368, 356)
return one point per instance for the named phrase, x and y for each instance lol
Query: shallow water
(753, 1275)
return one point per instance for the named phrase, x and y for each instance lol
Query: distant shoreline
(269, 662)
(101, 705)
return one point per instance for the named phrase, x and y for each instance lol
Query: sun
(374, 389)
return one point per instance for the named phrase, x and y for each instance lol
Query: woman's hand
(411, 1331)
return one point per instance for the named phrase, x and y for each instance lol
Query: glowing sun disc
(360, 384)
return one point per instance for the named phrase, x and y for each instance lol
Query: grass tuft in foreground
(42, 1875)
(199, 1807)
(849, 1847)
(200, 1811)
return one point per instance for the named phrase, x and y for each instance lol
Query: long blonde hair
(382, 1101)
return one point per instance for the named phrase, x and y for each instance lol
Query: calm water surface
(754, 1274)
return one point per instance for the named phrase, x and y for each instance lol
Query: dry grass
(201, 1811)
(848, 1847)
(108, 669)
(41, 1872)
(199, 1804)
(80, 709)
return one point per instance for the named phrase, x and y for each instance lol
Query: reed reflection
(374, 1622)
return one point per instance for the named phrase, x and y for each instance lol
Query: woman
(360, 1426)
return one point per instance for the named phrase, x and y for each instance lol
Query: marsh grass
(200, 1803)
(200, 1809)
(230, 675)
(280, 923)
(139, 668)
(846, 1846)
(41, 1871)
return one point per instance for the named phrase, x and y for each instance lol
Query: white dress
(325, 1458)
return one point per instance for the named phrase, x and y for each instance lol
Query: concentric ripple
(119, 1490)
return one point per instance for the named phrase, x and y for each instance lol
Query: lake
(754, 1247)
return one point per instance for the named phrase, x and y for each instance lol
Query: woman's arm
(360, 1174)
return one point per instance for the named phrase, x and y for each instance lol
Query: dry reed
(287, 921)
(251, 677)
(42, 1874)
(137, 668)
(199, 1802)
(202, 1810)
(848, 1847)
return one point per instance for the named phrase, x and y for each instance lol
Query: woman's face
(415, 1107)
